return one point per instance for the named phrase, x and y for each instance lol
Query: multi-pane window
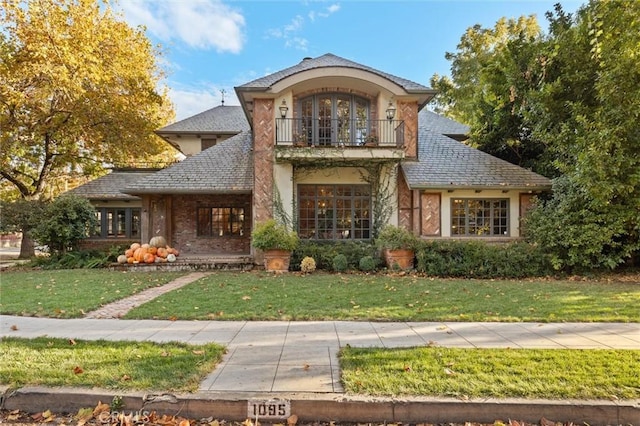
(480, 217)
(220, 221)
(117, 222)
(331, 212)
(334, 119)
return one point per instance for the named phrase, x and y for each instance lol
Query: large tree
(492, 74)
(79, 89)
(563, 103)
(588, 110)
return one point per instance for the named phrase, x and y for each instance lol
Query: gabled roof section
(327, 61)
(109, 186)
(224, 168)
(440, 124)
(444, 163)
(220, 119)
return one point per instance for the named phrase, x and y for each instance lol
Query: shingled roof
(224, 168)
(220, 119)
(326, 61)
(109, 186)
(444, 163)
(440, 124)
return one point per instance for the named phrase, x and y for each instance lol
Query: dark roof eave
(484, 187)
(171, 191)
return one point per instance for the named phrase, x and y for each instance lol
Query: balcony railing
(339, 132)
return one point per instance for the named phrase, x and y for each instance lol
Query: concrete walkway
(287, 356)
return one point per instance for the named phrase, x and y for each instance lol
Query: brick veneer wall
(404, 204)
(185, 236)
(408, 111)
(430, 214)
(105, 243)
(263, 158)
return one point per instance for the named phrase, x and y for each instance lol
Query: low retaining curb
(331, 407)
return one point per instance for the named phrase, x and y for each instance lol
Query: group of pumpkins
(157, 251)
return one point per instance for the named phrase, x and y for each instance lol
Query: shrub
(87, 259)
(340, 263)
(368, 264)
(308, 265)
(272, 235)
(65, 222)
(323, 252)
(477, 259)
(396, 238)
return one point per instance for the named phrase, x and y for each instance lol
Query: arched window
(334, 119)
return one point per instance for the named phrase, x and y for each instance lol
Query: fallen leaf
(449, 372)
(77, 370)
(214, 423)
(197, 352)
(173, 318)
(164, 353)
(306, 367)
(14, 328)
(126, 377)
(72, 342)
(185, 423)
(246, 297)
(407, 368)
(100, 408)
(292, 420)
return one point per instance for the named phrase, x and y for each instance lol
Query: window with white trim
(474, 217)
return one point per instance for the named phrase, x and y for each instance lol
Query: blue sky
(214, 45)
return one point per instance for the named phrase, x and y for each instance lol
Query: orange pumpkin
(135, 246)
(129, 252)
(153, 250)
(130, 260)
(138, 255)
(145, 246)
(149, 258)
(162, 252)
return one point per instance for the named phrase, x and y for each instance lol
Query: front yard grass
(71, 293)
(111, 365)
(263, 296)
(495, 373)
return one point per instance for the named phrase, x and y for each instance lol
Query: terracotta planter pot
(402, 257)
(277, 260)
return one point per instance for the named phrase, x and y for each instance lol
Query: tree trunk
(27, 247)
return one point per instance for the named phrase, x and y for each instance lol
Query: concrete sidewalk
(286, 356)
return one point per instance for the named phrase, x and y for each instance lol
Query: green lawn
(69, 293)
(263, 296)
(110, 365)
(495, 373)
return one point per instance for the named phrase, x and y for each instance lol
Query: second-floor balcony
(339, 133)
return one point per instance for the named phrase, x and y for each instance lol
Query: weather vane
(223, 92)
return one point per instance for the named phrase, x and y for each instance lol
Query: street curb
(325, 407)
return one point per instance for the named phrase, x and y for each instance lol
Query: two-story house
(335, 150)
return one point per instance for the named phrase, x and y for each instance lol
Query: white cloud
(202, 24)
(290, 32)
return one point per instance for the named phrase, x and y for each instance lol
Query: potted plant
(371, 141)
(277, 243)
(300, 139)
(398, 246)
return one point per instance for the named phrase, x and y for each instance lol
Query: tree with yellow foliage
(79, 90)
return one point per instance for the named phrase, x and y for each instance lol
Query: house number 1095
(270, 408)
